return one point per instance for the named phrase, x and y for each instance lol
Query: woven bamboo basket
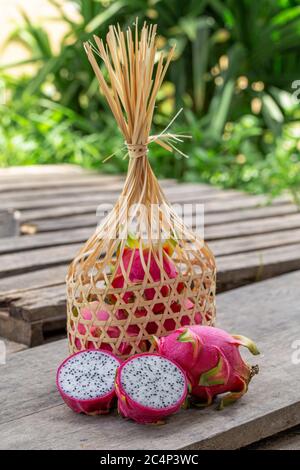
(143, 272)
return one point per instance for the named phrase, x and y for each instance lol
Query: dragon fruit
(150, 388)
(211, 360)
(87, 313)
(133, 265)
(85, 381)
(149, 294)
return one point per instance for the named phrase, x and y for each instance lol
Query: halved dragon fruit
(150, 388)
(85, 381)
(212, 361)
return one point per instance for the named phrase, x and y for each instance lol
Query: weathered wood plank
(52, 175)
(288, 440)
(256, 213)
(60, 218)
(238, 245)
(33, 279)
(88, 193)
(17, 263)
(44, 240)
(50, 195)
(29, 316)
(37, 171)
(181, 193)
(33, 305)
(65, 203)
(33, 416)
(240, 269)
(54, 182)
(237, 229)
(52, 219)
(15, 329)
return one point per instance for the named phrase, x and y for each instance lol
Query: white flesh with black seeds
(153, 382)
(88, 375)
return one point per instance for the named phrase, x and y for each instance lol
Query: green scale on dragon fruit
(85, 381)
(212, 362)
(150, 388)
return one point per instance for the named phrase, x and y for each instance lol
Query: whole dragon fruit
(211, 360)
(85, 381)
(150, 388)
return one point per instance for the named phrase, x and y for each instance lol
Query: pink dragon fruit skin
(121, 314)
(131, 257)
(92, 406)
(95, 331)
(87, 312)
(131, 409)
(212, 361)
(137, 272)
(149, 294)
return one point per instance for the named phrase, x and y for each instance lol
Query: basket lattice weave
(143, 272)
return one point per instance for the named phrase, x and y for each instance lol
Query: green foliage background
(236, 64)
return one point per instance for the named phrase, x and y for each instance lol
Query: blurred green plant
(233, 70)
(228, 53)
(40, 131)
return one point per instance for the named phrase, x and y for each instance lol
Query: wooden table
(251, 241)
(57, 206)
(33, 415)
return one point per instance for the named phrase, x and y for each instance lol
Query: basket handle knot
(137, 150)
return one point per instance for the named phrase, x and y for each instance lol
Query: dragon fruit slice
(150, 388)
(85, 381)
(212, 361)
